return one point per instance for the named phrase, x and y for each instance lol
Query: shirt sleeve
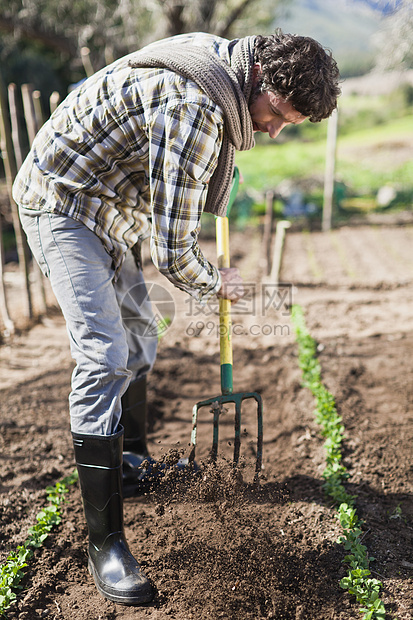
(184, 144)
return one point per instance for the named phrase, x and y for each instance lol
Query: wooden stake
(268, 221)
(282, 225)
(330, 171)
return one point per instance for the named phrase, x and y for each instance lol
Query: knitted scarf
(228, 85)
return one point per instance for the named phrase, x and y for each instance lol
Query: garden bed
(221, 548)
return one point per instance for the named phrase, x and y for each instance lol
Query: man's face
(270, 113)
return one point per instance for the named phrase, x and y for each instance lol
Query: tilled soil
(217, 545)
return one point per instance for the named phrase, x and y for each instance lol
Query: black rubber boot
(140, 470)
(134, 418)
(118, 576)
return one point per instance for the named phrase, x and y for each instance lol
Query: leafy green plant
(358, 581)
(12, 571)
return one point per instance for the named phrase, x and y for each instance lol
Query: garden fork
(227, 395)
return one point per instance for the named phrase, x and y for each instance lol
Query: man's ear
(256, 72)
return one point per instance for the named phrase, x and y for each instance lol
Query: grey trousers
(110, 324)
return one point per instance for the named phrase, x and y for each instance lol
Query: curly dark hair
(301, 71)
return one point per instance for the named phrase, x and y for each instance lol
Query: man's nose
(275, 128)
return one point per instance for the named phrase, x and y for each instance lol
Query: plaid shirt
(129, 153)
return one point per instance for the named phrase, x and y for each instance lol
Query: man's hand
(232, 285)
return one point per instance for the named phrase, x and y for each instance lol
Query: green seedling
(12, 571)
(398, 514)
(358, 581)
(163, 325)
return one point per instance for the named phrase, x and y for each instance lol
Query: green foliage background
(372, 133)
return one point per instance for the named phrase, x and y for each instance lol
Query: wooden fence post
(10, 170)
(54, 101)
(34, 120)
(8, 323)
(38, 110)
(29, 112)
(15, 125)
(87, 63)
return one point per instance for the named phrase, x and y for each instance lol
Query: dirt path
(223, 549)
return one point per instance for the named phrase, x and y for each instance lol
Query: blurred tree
(395, 40)
(222, 18)
(107, 27)
(112, 28)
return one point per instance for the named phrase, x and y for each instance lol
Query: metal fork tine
(260, 439)
(216, 409)
(216, 406)
(237, 442)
